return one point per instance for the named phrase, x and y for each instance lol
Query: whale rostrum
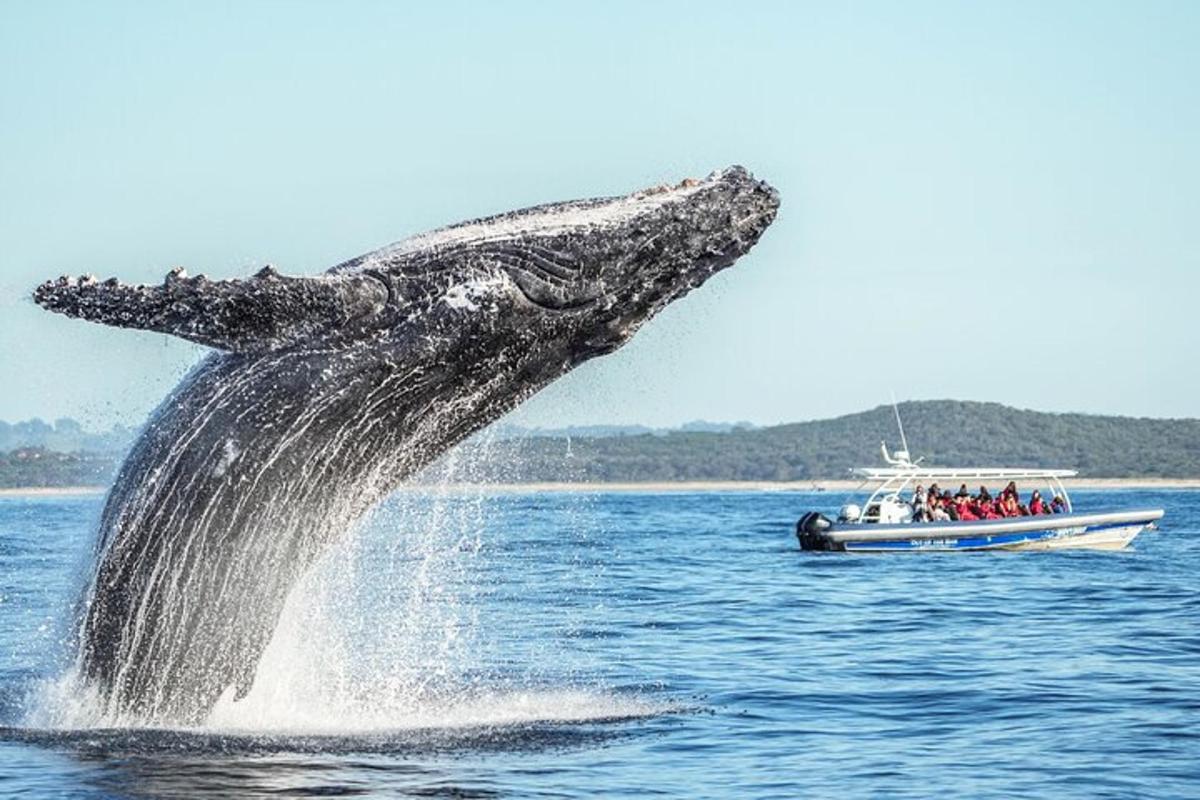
(327, 392)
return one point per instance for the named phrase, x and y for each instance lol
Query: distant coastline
(650, 487)
(1105, 451)
(50, 491)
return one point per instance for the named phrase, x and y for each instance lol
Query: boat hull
(1112, 530)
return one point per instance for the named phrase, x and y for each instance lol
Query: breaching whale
(329, 391)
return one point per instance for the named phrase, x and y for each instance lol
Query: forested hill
(945, 432)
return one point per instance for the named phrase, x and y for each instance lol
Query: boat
(884, 522)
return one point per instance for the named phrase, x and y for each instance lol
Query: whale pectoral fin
(268, 311)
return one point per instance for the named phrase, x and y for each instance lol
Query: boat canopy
(902, 473)
(917, 472)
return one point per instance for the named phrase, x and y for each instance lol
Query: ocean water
(676, 645)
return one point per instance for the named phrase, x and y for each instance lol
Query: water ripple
(680, 645)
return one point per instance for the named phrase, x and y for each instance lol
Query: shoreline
(51, 491)
(653, 487)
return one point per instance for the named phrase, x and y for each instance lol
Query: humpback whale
(326, 392)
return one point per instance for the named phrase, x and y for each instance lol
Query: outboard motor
(811, 529)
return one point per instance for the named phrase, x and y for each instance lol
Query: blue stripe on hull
(980, 542)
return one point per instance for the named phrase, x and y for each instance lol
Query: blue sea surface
(636, 644)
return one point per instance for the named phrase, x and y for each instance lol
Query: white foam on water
(485, 710)
(65, 703)
(280, 708)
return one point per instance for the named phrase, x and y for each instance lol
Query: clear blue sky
(980, 201)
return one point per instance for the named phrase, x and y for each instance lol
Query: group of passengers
(936, 504)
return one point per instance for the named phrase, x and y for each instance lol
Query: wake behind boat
(989, 520)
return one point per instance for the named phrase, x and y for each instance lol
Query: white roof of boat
(917, 472)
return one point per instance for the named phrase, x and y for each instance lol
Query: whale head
(573, 280)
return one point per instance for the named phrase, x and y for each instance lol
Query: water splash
(403, 626)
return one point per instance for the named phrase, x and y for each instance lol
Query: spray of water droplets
(422, 618)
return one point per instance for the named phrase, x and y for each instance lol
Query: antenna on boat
(899, 424)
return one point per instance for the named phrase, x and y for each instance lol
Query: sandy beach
(52, 491)
(660, 486)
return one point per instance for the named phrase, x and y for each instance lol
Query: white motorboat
(885, 521)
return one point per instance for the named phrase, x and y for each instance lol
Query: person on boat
(938, 513)
(1058, 505)
(920, 511)
(984, 495)
(1011, 507)
(948, 504)
(975, 506)
(1036, 506)
(962, 504)
(1011, 490)
(990, 509)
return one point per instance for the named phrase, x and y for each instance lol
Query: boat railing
(902, 474)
